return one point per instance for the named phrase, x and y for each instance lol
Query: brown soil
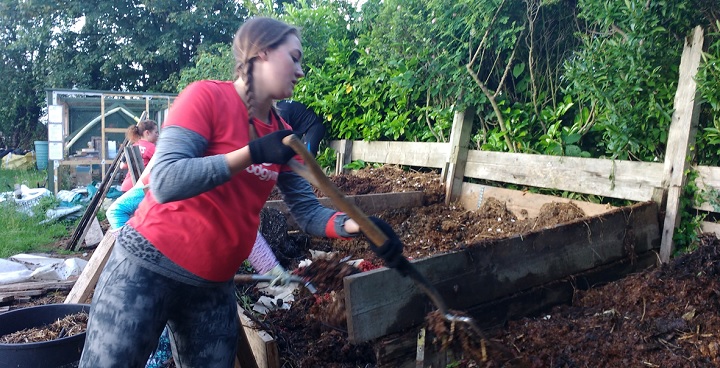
(665, 317)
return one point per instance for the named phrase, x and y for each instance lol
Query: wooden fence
(661, 182)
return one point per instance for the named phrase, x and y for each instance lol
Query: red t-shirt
(147, 150)
(212, 233)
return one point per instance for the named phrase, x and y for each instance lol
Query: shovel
(313, 173)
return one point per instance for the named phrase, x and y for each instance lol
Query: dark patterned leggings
(131, 306)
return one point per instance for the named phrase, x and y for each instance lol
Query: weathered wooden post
(681, 138)
(459, 140)
(343, 154)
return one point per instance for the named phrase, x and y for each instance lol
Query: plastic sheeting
(28, 198)
(34, 267)
(18, 161)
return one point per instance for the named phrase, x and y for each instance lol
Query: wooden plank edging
(381, 301)
(398, 350)
(91, 273)
(424, 154)
(522, 204)
(264, 347)
(368, 203)
(609, 178)
(708, 181)
(632, 180)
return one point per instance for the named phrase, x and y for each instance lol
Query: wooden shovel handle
(313, 173)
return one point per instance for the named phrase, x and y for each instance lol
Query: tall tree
(126, 45)
(27, 31)
(143, 45)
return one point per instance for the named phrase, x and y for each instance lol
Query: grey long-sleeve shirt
(182, 172)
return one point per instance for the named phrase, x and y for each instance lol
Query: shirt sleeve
(261, 257)
(192, 109)
(180, 171)
(124, 207)
(312, 217)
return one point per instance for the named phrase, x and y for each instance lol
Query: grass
(31, 178)
(20, 233)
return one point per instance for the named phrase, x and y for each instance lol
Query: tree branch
(496, 108)
(427, 115)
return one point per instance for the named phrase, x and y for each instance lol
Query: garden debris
(327, 276)
(69, 326)
(37, 267)
(462, 338)
(18, 159)
(25, 198)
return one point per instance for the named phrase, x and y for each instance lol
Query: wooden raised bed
(381, 302)
(369, 203)
(500, 279)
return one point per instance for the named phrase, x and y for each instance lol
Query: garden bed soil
(662, 317)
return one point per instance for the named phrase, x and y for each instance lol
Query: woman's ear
(263, 55)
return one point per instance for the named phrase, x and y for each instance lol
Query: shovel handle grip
(313, 173)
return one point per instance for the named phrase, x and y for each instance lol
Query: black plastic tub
(54, 353)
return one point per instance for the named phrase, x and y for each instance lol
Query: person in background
(144, 135)
(219, 158)
(304, 122)
(124, 206)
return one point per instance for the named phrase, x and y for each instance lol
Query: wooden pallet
(23, 291)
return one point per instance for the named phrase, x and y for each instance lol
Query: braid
(253, 37)
(238, 71)
(250, 99)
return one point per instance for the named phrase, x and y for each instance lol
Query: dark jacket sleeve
(312, 217)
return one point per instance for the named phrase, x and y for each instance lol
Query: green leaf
(573, 150)
(572, 138)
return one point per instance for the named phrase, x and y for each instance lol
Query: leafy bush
(215, 62)
(626, 71)
(708, 77)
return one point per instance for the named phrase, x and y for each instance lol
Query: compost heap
(312, 332)
(665, 317)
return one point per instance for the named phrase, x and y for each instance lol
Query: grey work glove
(281, 276)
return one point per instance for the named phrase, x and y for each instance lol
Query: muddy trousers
(131, 306)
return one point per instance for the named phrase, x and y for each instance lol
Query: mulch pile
(69, 326)
(667, 317)
(664, 317)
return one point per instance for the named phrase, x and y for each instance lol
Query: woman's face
(151, 135)
(277, 71)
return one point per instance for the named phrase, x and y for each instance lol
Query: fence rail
(661, 182)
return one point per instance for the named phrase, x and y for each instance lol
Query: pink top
(147, 150)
